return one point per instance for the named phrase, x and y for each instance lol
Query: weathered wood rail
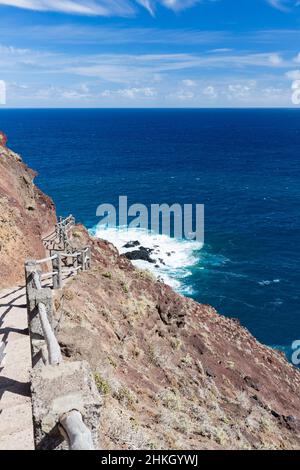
(69, 401)
(59, 238)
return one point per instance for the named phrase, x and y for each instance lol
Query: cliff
(174, 374)
(26, 216)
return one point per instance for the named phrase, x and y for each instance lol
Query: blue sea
(243, 165)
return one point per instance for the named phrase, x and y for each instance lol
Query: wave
(173, 257)
(268, 283)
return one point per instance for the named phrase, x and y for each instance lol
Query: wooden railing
(59, 237)
(44, 345)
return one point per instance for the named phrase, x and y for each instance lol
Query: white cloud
(297, 59)
(217, 93)
(98, 7)
(50, 93)
(183, 95)
(77, 7)
(148, 5)
(189, 83)
(272, 92)
(134, 68)
(2, 92)
(283, 5)
(131, 93)
(210, 92)
(183, 79)
(119, 7)
(221, 49)
(238, 91)
(293, 75)
(275, 59)
(86, 33)
(177, 5)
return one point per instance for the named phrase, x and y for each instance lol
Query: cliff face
(174, 373)
(26, 215)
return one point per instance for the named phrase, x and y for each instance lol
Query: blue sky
(149, 53)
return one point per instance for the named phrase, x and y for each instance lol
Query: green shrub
(101, 384)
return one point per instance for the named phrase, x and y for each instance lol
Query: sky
(150, 53)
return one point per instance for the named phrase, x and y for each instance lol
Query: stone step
(15, 419)
(16, 427)
(22, 440)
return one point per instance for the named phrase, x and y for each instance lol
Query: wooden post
(78, 435)
(58, 233)
(54, 352)
(34, 298)
(65, 238)
(88, 258)
(82, 258)
(57, 269)
(30, 269)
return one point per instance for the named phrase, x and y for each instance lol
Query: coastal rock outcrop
(143, 254)
(26, 216)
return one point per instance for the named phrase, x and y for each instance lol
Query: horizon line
(151, 108)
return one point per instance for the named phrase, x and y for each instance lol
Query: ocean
(242, 164)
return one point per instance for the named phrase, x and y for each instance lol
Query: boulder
(132, 244)
(141, 254)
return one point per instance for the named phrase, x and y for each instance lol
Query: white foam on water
(268, 283)
(173, 257)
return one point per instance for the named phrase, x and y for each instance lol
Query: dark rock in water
(149, 250)
(132, 244)
(141, 254)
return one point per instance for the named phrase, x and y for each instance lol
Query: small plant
(152, 446)
(230, 365)
(76, 234)
(220, 436)
(157, 356)
(107, 275)
(170, 399)
(68, 295)
(124, 287)
(145, 274)
(112, 362)
(101, 384)
(136, 352)
(182, 424)
(187, 360)
(176, 343)
(125, 396)
(265, 423)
